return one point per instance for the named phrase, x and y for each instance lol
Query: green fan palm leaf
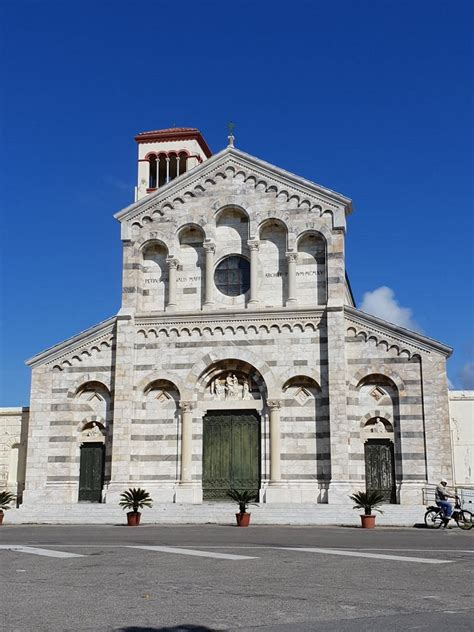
(135, 499)
(368, 501)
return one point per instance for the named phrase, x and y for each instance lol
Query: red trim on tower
(174, 133)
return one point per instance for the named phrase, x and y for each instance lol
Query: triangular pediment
(389, 335)
(232, 167)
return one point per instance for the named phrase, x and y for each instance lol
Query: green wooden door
(380, 468)
(231, 453)
(91, 473)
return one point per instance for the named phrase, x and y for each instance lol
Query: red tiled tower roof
(174, 133)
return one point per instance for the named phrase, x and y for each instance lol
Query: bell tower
(166, 154)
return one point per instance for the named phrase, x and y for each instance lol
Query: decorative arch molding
(303, 372)
(384, 341)
(156, 376)
(315, 227)
(375, 413)
(221, 355)
(371, 370)
(90, 419)
(82, 353)
(151, 331)
(104, 379)
(13, 442)
(151, 237)
(233, 169)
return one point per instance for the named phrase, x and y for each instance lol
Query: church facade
(238, 358)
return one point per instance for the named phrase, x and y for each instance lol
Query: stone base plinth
(188, 494)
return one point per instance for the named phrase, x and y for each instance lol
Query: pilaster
(123, 401)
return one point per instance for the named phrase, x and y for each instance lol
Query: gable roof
(230, 156)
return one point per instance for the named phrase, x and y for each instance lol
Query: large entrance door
(231, 453)
(91, 473)
(380, 468)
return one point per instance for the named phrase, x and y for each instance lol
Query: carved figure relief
(92, 432)
(230, 387)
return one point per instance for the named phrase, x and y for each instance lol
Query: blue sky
(371, 99)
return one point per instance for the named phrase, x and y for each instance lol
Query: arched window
(183, 163)
(162, 169)
(153, 172)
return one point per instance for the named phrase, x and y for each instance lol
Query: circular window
(232, 276)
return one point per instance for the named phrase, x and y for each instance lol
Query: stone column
(254, 245)
(292, 258)
(167, 169)
(274, 406)
(186, 441)
(210, 249)
(188, 491)
(172, 270)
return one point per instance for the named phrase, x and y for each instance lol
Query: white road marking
(377, 556)
(35, 551)
(170, 549)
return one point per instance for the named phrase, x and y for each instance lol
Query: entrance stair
(213, 513)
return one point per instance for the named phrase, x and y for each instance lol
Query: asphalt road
(208, 578)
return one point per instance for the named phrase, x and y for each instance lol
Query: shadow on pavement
(174, 628)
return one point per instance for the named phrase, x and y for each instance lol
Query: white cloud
(382, 303)
(466, 376)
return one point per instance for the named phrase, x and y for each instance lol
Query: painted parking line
(376, 556)
(35, 551)
(169, 549)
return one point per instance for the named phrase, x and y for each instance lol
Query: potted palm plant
(243, 499)
(135, 499)
(368, 501)
(6, 498)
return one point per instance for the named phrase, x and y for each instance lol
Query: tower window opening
(162, 170)
(183, 163)
(153, 172)
(173, 171)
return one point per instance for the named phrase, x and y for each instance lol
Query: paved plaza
(223, 578)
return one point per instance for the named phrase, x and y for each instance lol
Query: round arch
(195, 375)
(371, 370)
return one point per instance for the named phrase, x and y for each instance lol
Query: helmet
(443, 480)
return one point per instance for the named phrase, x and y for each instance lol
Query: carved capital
(253, 244)
(292, 257)
(209, 246)
(172, 262)
(187, 407)
(274, 404)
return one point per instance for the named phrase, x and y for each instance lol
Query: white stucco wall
(461, 419)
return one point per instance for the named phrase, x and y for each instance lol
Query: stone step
(213, 513)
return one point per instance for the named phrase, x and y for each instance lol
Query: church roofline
(80, 338)
(265, 168)
(407, 335)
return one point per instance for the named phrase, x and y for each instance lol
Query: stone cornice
(186, 325)
(395, 332)
(75, 343)
(270, 177)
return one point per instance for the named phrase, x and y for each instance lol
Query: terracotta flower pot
(368, 522)
(243, 519)
(133, 518)
(1, 516)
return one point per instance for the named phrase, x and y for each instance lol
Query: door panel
(231, 453)
(91, 473)
(380, 468)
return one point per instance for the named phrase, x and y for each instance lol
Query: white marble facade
(235, 297)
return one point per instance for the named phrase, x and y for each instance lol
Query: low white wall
(461, 419)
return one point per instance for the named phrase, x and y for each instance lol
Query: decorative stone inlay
(302, 396)
(377, 393)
